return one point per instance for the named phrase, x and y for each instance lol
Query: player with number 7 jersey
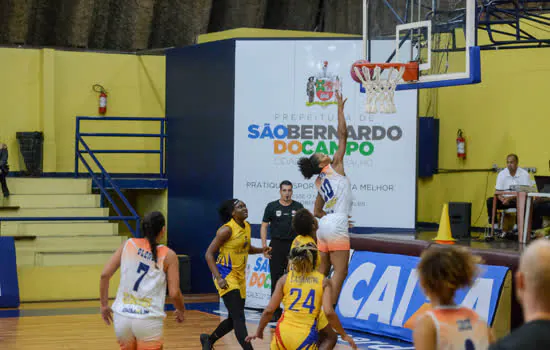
(147, 268)
(142, 289)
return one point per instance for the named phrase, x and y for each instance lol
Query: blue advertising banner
(381, 294)
(9, 286)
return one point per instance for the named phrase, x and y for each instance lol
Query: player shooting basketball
(333, 204)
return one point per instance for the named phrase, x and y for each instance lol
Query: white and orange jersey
(459, 328)
(335, 190)
(142, 289)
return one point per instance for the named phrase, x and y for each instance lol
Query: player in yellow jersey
(232, 244)
(447, 326)
(303, 291)
(305, 225)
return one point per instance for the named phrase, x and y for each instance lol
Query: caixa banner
(9, 286)
(381, 294)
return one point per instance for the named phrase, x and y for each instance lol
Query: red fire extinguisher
(460, 145)
(102, 98)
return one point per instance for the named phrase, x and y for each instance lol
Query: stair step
(58, 228)
(8, 209)
(69, 244)
(54, 201)
(20, 186)
(72, 259)
(54, 212)
(62, 282)
(25, 258)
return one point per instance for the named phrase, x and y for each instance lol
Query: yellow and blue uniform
(233, 257)
(301, 240)
(302, 299)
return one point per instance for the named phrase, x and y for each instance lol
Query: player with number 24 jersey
(302, 304)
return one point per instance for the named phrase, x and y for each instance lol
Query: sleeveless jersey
(232, 258)
(303, 240)
(302, 301)
(459, 328)
(335, 190)
(142, 289)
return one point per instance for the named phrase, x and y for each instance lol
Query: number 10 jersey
(335, 190)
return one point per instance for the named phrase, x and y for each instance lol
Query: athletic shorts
(332, 234)
(287, 337)
(232, 283)
(140, 334)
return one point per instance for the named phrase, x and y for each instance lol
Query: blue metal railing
(105, 177)
(161, 136)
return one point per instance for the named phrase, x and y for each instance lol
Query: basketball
(357, 64)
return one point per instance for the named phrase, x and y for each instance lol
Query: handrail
(161, 135)
(79, 139)
(105, 177)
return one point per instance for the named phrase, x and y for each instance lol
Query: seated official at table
(511, 175)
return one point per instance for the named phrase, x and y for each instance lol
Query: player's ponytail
(309, 166)
(303, 258)
(151, 226)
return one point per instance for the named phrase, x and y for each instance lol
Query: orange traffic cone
(444, 234)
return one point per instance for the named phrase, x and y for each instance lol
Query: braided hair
(303, 258)
(152, 224)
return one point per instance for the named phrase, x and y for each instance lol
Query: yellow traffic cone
(444, 232)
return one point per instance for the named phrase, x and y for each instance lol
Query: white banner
(285, 109)
(258, 279)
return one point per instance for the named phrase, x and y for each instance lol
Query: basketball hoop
(380, 90)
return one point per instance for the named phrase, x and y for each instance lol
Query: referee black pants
(280, 249)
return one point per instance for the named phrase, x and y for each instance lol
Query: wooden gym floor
(78, 325)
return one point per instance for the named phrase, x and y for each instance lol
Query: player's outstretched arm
(274, 303)
(342, 132)
(256, 250)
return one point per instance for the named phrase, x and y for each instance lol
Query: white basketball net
(380, 91)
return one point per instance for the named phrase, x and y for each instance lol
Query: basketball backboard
(438, 34)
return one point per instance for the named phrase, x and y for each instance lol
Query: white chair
(503, 213)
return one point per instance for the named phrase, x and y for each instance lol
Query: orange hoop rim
(411, 68)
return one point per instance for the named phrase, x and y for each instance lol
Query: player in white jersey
(443, 325)
(146, 267)
(333, 204)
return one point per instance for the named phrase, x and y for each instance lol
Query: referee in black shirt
(278, 215)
